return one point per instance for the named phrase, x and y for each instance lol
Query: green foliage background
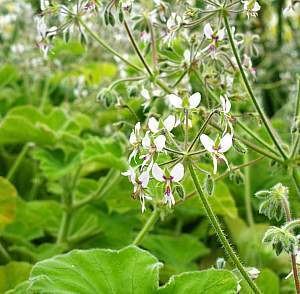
(54, 142)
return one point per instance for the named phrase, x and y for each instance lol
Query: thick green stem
(147, 227)
(259, 109)
(295, 147)
(107, 47)
(296, 177)
(217, 227)
(62, 236)
(288, 216)
(248, 192)
(18, 161)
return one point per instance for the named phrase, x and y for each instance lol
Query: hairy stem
(217, 227)
(147, 227)
(248, 192)
(288, 217)
(259, 109)
(136, 48)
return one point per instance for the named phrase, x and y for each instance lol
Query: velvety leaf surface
(207, 282)
(130, 270)
(12, 274)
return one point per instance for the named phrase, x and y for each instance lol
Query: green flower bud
(107, 97)
(209, 185)
(272, 204)
(239, 147)
(179, 190)
(281, 239)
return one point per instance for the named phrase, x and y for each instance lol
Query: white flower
(253, 273)
(169, 124)
(175, 175)
(216, 149)
(215, 37)
(43, 34)
(152, 145)
(135, 140)
(44, 4)
(226, 104)
(140, 183)
(173, 25)
(251, 7)
(191, 102)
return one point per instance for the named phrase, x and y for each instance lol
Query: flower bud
(272, 204)
(209, 185)
(107, 97)
(220, 263)
(179, 190)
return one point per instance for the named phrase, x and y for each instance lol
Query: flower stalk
(147, 227)
(217, 227)
(259, 109)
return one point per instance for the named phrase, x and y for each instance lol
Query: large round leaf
(130, 270)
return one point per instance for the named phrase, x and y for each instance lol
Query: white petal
(226, 143)
(144, 178)
(132, 138)
(153, 125)
(177, 172)
(256, 7)
(226, 105)
(145, 94)
(146, 142)
(194, 100)
(208, 32)
(132, 154)
(175, 100)
(207, 142)
(130, 174)
(187, 56)
(137, 127)
(169, 199)
(221, 34)
(169, 122)
(224, 159)
(160, 142)
(157, 173)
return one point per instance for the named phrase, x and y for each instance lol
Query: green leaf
(207, 282)
(130, 270)
(178, 252)
(103, 153)
(12, 274)
(55, 164)
(221, 201)
(8, 196)
(33, 219)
